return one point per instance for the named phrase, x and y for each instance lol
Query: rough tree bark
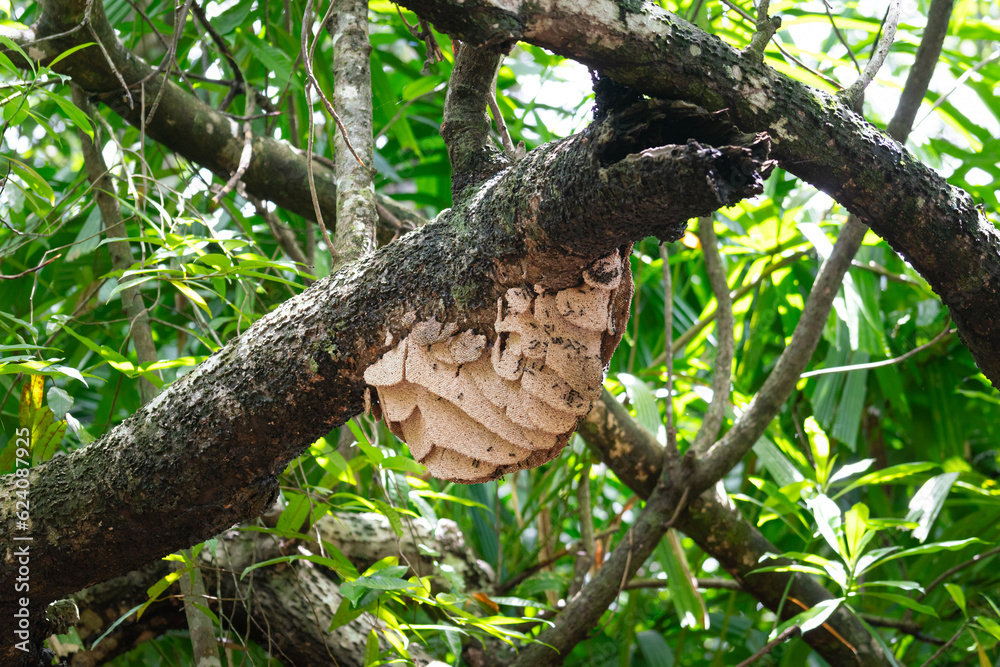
(143, 490)
(287, 609)
(206, 452)
(719, 528)
(817, 137)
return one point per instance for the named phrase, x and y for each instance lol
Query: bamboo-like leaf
(926, 504)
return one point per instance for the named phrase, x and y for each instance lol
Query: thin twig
(912, 629)
(723, 333)
(779, 385)
(961, 566)
(31, 270)
(668, 337)
(770, 646)
(244, 155)
(585, 557)
(168, 59)
(737, 294)
(766, 27)
(958, 83)
(840, 36)
(307, 60)
(405, 106)
(884, 362)
(508, 144)
(703, 583)
(937, 654)
(853, 93)
(739, 10)
(681, 504)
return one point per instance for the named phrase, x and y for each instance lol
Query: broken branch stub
(471, 410)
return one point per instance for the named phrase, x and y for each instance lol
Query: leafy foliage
(882, 480)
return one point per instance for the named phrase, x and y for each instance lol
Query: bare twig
(685, 338)
(121, 252)
(819, 75)
(668, 337)
(307, 60)
(840, 36)
(770, 646)
(423, 32)
(910, 628)
(884, 362)
(853, 92)
(766, 27)
(508, 144)
(168, 58)
(924, 63)
(244, 155)
(31, 270)
(723, 333)
(585, 556)
(937, 654)
(702, 582)
(958, 568)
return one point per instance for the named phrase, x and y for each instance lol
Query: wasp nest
(471, 411)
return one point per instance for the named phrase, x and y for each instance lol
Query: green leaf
(353, 590)
(926, 504)
(655, 650)
(827, 516)
(296, 511)
(11, 44)
(436, 495)
(72, 112)
(684, 595)
(419, 87)
(345, 614)
(934, 547)
(372, 452)
(893, 474)
(903, 601)
(643, 402)
(958, 595)
(820, 446)
(391, 514)
(335, 564)
(776, 463)
(371, 648)
(810, 618)
(989, 625)
(232, 18)
(38, 185)
(194, 297)
(855, 527)
(111, 628)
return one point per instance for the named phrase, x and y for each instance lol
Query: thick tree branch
(935, 226)
(719, 528)
(141, 491)
(182, 122)
(286, 608)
